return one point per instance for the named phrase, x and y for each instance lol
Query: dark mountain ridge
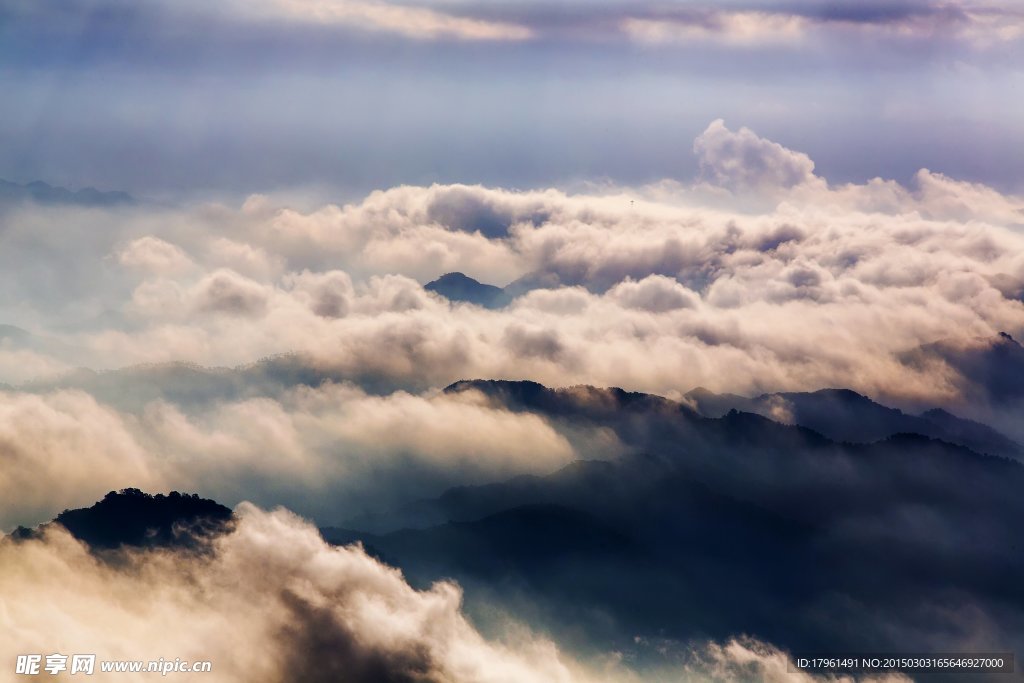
(845, 415)
(44, 193)
(714, 526)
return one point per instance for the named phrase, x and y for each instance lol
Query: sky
(340, 97)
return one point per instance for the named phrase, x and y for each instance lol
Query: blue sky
(186, 98)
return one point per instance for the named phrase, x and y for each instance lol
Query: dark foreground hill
(131, 517)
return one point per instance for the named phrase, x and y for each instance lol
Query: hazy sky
(188, 98)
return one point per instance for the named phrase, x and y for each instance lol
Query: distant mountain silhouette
(530, 535)
(992, 368)
(578, 400)
(844, 415)
(14, 335)
(710, 404)
(43, 193)
(638, 542)
(460, 287)
(532, 281)
(188, 383)
(715, 526)
(131, 517)
(42, 343)
(198, 386)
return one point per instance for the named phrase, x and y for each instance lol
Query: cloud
(744, 28)
(409, 21)
(742, 161)
(329, 295)
(64, 449)
(422, 23)
(227, 292)
(746, 659)
(761, 277)
(943, 196)
(154, 255)
(23, 365)
(332, 450)
(977, 26)
(740, 28)
(655, 293)
(270, 602)
(243, 258)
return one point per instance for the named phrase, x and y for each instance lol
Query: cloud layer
(332, 451)
(272, 602)
(751, 24)
(759, 277)
(661, 288)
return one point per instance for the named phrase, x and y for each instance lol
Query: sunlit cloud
(421, 23)
(66, 448)
(977, 26)
(731, 28)
(272, 602)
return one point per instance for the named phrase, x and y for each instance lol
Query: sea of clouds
(757, 276)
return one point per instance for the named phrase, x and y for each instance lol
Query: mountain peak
(456, 276)
(846, 395)
(131, 517)
(456, 286)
